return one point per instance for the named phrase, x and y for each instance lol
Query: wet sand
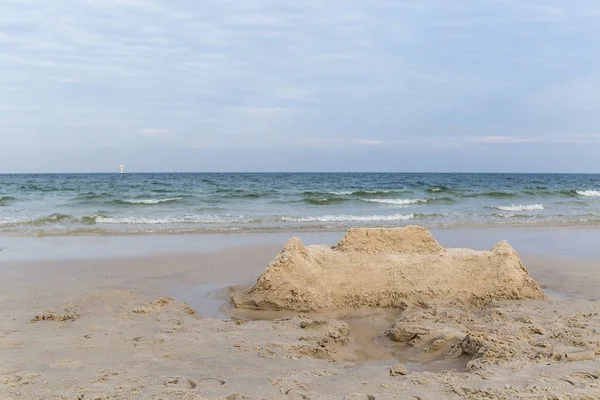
(102, 334)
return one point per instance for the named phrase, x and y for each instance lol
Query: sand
(386, 268)
(117, 329)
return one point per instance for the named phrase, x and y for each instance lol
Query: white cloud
(370, 142)
(255, 72)
(577, 138)
(154, 132)
(507, 139)
(339, 142)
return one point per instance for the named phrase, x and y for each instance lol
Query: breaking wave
(48, 219)
(494, 195)
(4, 200)
(189, 219)
(325, 201)
(350, 218)
(520, 208)
(588, 193)
(148, 201)
(398, 202)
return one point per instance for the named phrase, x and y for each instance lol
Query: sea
(166, 203)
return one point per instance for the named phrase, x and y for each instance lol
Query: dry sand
(110, 329)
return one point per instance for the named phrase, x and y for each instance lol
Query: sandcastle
(386, 268)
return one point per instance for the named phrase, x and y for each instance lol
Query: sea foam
(517, 208)
(189, 219)
(351, 192)
(588, 193)
(350, 218)
(397, 202)
(150, 201)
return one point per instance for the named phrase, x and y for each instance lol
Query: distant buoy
(122, 167)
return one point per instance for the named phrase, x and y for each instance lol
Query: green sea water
(109, 204)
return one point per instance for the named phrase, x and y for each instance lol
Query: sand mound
(386, 268)
(51, 316)
(500, 333)
(165, 304)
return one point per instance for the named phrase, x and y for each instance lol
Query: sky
(314, 85)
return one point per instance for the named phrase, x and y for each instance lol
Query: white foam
(346, 193)
(517, 208)
(350, 218)
(151, 201)
(398, 202)
(204, 219)
(10, 220)
(589, 193)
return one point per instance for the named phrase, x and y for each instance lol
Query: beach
(123, 317)
(265, 200)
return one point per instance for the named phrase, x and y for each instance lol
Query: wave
(343, 193)
(397, 202)
(92, 196)
(346, 193)
(574, 202)
(35, 188)
(188, 219)
(588, 193)
(4, 200)
(52, 218)
(363, 192)
(324, 201)
(513, 216)
(350, 218)
(245, 194)
(441, 189)
(148, 201)
(159, 183)
(495, 195)
(518, 208)
(441, 200)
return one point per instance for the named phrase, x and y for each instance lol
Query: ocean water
(108, 204)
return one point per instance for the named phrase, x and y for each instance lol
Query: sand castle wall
(386, 268)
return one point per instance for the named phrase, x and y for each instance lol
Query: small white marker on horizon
(122, 168)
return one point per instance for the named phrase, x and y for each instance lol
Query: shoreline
(567, 242)
(285, 230)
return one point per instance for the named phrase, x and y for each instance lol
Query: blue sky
(249, 85)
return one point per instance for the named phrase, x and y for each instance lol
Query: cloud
(255, 73)
(154, 132)
(370, 142)
(339, 142)
(507, 139)
(577, 138)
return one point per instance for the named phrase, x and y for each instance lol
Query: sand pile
(386, 268)
(499, 333)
